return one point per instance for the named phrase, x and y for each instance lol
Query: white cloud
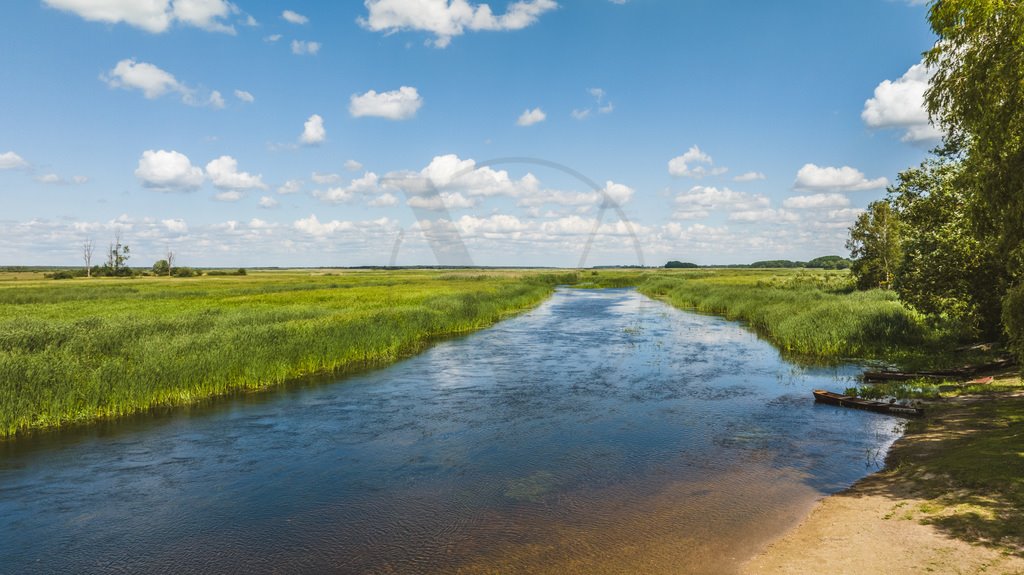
(155, 82)
(699, 201)
(229, 196)
(749, 177)
(301, 47)
(363, 229)
(451, 173)
(816, 201)
(900, 104)
(79, 179)
(450, 200)
(813, 178)
(11, 161)
(531, 117)
(384, 200)
(177, 226)
(290, 187)
(325, 178)
(313, 131)
(580, 114)
(224, 174)
(400, 104)
(50, 179)
(294, 17)
(168, 171)
(366, 184)
(683, 165)
(353, 166)
(448, 18)
(765, 216)
(205, 14)
(154, 16)
(272, 38)
(245, 96)
(845, 215)
(268, 202)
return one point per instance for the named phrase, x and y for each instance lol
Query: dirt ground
(949, 502)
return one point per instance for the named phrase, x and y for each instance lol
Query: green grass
(967, 460)
(80, 350)
(808, 313)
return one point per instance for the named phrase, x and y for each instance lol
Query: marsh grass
(83, 350)
(809, 313)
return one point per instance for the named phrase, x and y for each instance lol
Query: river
(602, 432)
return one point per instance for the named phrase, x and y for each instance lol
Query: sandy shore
(884, 525)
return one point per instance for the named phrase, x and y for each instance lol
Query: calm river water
(602, 432)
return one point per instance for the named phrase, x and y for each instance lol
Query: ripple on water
(602, 432)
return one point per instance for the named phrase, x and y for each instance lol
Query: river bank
(950, 500)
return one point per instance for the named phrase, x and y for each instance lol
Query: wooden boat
(861, 403)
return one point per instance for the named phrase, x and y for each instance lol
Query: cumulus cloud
(765, 216)
(400, 104)
(683, 166)
(229, 196)
(272, 38)
(353, 166)
(224, 174)
(446, 19)
(816, 201)
(245, 96)
(749, 177)
(383, 201)
(154, 16)
(531, 117)
(366, 184)
(303, 47)
(290, 187)
(325, 178)
(900, 104)
(813, 178)
(168, 171)
(294, 17)
(154, 82)
(177, 225)
(700, 201)
(443, 200)
(268, 202)
(314, 227)
(313, 131)
(449, 173)
(55, 179)
(10, 161)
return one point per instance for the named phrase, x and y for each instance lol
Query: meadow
(80, 350)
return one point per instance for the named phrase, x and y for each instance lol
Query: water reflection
(602, 432)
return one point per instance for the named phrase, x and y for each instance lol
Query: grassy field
(812, 313)
(79, 350)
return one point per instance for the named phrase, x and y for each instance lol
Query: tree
(117, 256)
(170, 261)
(679, 264)
(161, 268)
(87, 250)
(950, 269)
(874, 246)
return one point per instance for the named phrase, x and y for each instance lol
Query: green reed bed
(811, 313)
(88, 349)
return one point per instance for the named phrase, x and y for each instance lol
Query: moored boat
(868, 404)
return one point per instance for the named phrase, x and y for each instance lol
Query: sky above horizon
(417, 132)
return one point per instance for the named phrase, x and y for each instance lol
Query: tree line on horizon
(948, 237)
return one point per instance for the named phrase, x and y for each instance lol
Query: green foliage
(63, 275)
(238, 272)
(78, 351)
(1013, 320)
(678, 264)
(161, 268)
(183, 272)
(874, 245)
(830, 263)
(778, 264)
(950, 270)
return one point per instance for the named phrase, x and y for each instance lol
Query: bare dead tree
(88, 247)
(170, 261)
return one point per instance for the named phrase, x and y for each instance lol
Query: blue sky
(318, 133)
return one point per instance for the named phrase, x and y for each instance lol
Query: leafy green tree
(675, 264)
(161, 268)
(874, 246)
(950, 270)
(977, 97)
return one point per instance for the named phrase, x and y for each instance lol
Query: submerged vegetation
(89, 349)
